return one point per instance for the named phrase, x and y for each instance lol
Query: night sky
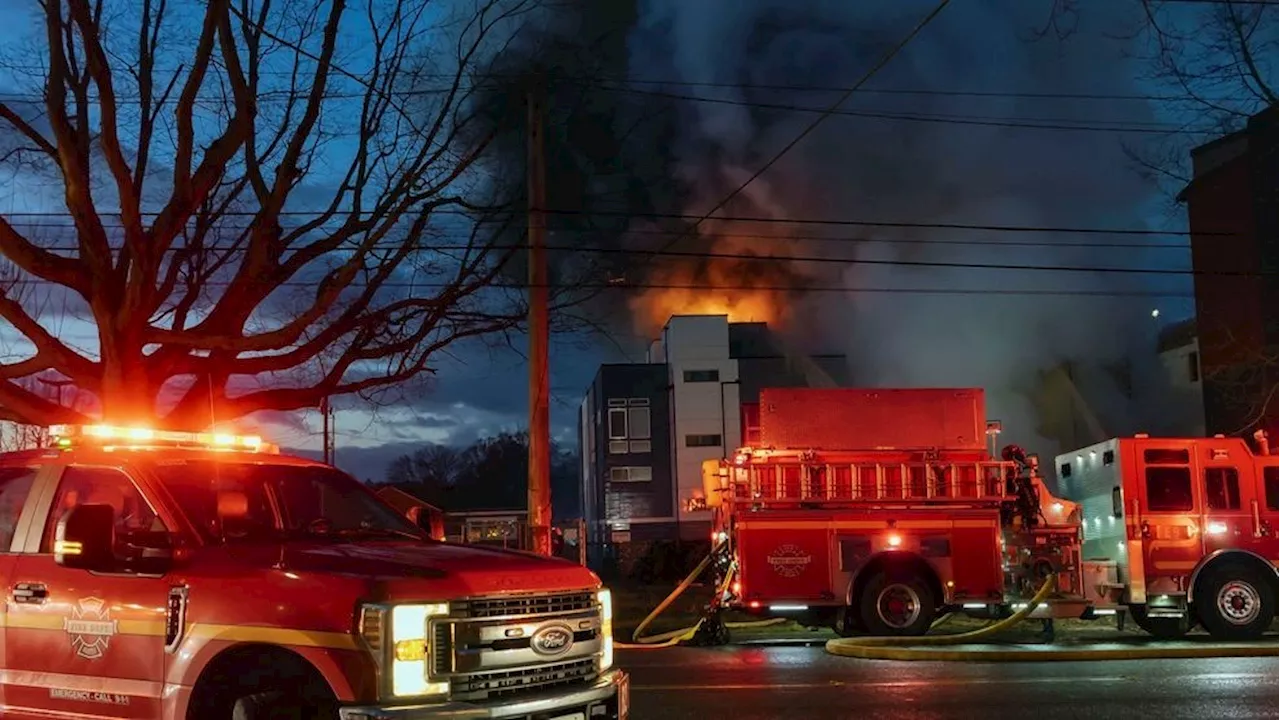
(958, 151)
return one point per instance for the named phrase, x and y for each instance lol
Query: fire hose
(675, 637)
(922, 647)
(918, 648)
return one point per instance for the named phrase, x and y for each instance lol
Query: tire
(897, 603)
(848, 622)
(1235, 602)
(280, 706)
(1163, 628)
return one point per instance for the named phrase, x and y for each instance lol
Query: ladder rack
(788, 481)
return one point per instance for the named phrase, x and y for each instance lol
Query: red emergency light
(115, 436)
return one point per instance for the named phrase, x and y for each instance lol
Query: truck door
(1229, 492)
(1170, 515)
(80, 643)
(1265, 517)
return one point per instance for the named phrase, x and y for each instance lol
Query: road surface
(757, 682)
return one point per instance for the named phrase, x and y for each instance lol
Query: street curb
(917, 654)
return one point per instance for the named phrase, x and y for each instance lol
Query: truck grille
(505, 683)
(486, 650)
(528, 605)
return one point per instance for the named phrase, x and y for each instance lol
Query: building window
(1222, 488)
(701, 376)
(1193, 366)
(630, 426)
(702, 441)
(631, 474)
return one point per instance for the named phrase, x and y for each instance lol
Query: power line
(712, 288)
(1047, 229)
(800, 237)
(751, 257)
(1052, 124)
(889, 56)
(1027, 123)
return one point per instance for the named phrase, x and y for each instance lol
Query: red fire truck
(178, 575)
(874, 511)
(1180, 530)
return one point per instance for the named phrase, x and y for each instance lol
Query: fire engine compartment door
(1169, 521)
(785, 560)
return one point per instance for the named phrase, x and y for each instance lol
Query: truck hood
(440, 571)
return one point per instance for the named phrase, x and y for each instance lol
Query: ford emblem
(552, 640)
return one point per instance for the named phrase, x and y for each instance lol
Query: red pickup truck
(178, 575)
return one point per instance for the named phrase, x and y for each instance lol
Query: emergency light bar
(65, 436)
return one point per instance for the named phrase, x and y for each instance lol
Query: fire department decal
(90, 628)
(789, 560)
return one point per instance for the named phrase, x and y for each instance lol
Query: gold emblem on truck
(90, 628)
(789, 560)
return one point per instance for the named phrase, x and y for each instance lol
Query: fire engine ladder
(801, 482)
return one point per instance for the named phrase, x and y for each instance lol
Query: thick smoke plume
(921, 171)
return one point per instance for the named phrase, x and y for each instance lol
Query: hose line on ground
(672, 638)
(922, 648)
(927, 647)
(858, 646)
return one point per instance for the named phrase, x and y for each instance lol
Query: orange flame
(718, 289)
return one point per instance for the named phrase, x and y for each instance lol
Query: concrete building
(646, 428)
(1179, 350)
(1232, 211)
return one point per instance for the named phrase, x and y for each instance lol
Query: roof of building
(401, 500)
(1177, 335)
(1261, 124)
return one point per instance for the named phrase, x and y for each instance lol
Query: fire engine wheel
(1234, 602)
(897, 604)
(848, 622)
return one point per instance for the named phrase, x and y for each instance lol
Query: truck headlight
(605, 598)
(410, 645)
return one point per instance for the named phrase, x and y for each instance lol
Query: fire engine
(876, 511)
(194, 575)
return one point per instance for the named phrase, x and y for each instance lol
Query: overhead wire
(847, 222)
(809, 128)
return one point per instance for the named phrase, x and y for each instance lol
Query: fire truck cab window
(1169, 489)
(1269, 481)
(1166, 456)
(1222, 488)
(135, 519)
(15, 485)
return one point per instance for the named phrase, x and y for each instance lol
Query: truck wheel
(848, 622)
(279, 706)
(1165, 628)
(1234, 602)
(897, 604)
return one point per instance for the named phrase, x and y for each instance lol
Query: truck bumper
(607, 698)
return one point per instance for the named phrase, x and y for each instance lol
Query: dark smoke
(933, 172)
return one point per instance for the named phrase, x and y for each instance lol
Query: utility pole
(328, 442)
(539, 332)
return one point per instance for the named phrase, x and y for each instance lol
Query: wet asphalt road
(757, 682)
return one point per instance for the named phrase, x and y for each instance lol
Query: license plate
(571, 716)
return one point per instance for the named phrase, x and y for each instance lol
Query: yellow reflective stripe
(48, 621)
(228, 633)
(272, 635)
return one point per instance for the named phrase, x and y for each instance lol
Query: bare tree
(265, 203)
(1241, 391)
(1212, 65)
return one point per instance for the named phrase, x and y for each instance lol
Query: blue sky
(848, 168)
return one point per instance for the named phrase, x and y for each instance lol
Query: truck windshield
(232, 502)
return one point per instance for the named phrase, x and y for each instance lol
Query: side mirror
(85, 538)
(432, 522)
